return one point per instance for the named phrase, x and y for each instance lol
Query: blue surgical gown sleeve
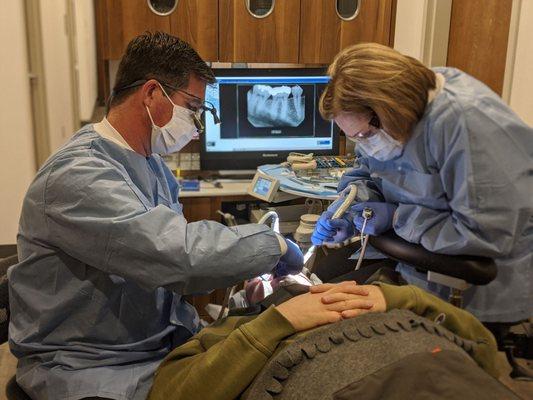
(486, 178)
(94, 214)
(359, 176)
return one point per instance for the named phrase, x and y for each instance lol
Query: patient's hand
(308, 310)
(347, 296)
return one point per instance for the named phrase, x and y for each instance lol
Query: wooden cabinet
(323, 33)
(295, 31)
(479, 33)
(245, 38)
(195, 21)
(300, 31)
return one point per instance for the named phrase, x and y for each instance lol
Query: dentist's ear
(150, 93)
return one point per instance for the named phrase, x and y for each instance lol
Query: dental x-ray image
(275, 106)
(267, 110)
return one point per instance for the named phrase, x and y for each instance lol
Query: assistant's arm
(94, 215)
(486, 199)
(458, 321)
(359, 176)
(221, 361)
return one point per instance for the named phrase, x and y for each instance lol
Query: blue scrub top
(464, 185)
(105, 257)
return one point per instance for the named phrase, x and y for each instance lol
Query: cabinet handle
(162, 7)
(345, 9)
(259, 3)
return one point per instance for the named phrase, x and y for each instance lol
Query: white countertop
(229, 188)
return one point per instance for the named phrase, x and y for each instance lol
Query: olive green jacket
(223, 359)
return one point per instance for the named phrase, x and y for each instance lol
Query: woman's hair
(371, 78)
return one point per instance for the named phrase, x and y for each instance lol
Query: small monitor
(264, 187)
(265, 114)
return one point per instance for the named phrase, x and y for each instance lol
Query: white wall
(57, 72)
(410, 27)
(17, 162)
(521, 99)
(86, 50)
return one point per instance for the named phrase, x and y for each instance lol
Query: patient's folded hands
(347, 297)
(344, 300)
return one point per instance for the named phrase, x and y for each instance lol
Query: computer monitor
(265, 114)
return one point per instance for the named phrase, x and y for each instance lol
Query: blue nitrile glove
(382, 216)
(332, 230)
(291, 262)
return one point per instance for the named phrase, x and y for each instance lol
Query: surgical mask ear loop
(147, 109)
(150, 116)
(165, 93)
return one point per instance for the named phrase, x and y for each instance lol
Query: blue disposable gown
(105, 255)
(464, 185)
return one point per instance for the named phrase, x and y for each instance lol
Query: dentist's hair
(159, 56)
(370, 78)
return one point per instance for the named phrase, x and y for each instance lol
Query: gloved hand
(291, 262)
(332, 230)
(382, 217)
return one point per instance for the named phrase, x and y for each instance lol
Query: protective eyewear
(202, 107)
(374, 122)
(198, 109)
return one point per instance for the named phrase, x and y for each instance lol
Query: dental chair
(458, 273)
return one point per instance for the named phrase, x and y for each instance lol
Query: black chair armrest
(473, 269)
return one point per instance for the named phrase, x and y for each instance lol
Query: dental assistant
(443, 161)
(105, 251)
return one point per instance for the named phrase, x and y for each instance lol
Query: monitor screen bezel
(214, 161)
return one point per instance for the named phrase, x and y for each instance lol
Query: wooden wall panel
(323, 34)
(244, 38)
(196, 21)
(479, 32)
(126, 19)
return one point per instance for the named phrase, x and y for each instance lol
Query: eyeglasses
(198, 110)
(374, 121)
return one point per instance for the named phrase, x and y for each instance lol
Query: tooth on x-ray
(275, 106)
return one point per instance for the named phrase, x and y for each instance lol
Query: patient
(223, 360)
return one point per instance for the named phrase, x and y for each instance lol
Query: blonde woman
(444, 162)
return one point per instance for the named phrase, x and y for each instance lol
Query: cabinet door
(196, 22)
(198, 208)
(269, 39)
(479, 33)
(126, 19)
(326, 27)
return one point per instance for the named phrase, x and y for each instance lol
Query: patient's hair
(371, 78)
(159, 56)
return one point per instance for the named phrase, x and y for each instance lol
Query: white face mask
(380, 146)
(176, 133)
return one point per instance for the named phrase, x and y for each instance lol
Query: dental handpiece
(346, 203)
